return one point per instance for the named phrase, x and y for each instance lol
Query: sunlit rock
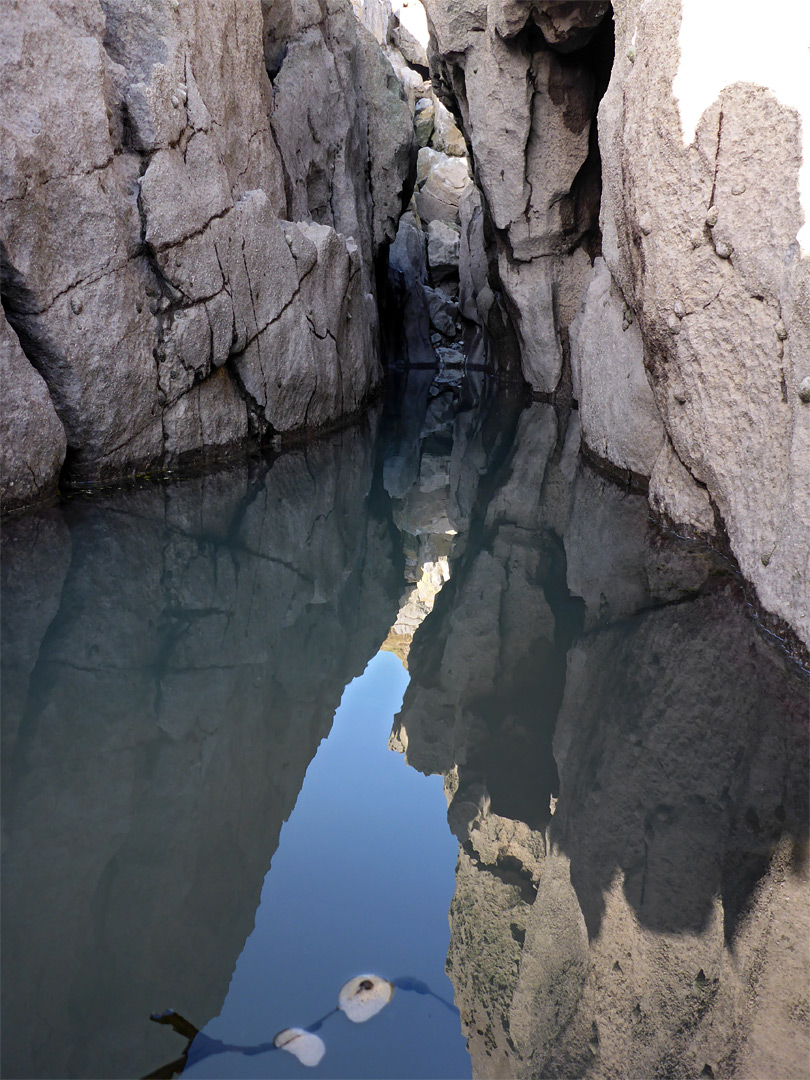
(307, 1047)
(364, 996)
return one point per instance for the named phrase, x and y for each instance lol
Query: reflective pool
(430, 699)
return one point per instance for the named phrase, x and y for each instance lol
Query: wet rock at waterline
(148, 267)
(32, 438)
(699, 163)
(304, 1045)
(692, 332)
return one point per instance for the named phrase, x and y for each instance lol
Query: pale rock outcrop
(144, 263)
(443, 245)
(32, 439)
(703, 234)
(447, 136)
(528, 114)
(700, 234)
(445, 184)
(620, 420)
(676, 496)
(346, 149)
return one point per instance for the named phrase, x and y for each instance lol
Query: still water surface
(362, 881)
(430, 694)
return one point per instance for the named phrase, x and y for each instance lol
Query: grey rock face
(145, 268)
(189, 644)
(620, 420)
(723, 378)
(528, 116)
(694, 331)
(32, 439)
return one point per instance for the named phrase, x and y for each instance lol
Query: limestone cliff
(684, 310)
(192, 202)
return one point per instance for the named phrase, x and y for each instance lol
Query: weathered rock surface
(700, 235)
(144, 265)
(695, 330)
(171, 660)
(528, 114)
(620, 420)
(32, 439)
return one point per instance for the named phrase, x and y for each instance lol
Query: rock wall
(700, 221)
(142, 803)
(631, 800)
(191, 208)
(525, 82)
(687, 311)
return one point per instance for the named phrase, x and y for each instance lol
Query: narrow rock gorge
(471, 340)
(197, 211)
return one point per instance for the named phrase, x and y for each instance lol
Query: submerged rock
(307, 1047)
(364, 996)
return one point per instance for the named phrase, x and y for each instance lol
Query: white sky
(724, 42)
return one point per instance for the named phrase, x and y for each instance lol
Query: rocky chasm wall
(192, 203)
(651, 229)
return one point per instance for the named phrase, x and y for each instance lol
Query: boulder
(447, 180)
(443, 244)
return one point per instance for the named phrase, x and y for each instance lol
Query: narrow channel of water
(212, 789)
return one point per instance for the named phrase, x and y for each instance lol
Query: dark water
(623, 754)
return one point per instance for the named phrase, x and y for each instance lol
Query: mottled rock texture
(153, 158)
(32, 439)
(700, 236)
(692, 337)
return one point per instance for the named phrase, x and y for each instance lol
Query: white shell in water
(308, 1048)
(364, 996)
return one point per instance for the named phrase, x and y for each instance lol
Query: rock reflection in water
(444, 430)
(172, 658)
(625, 760)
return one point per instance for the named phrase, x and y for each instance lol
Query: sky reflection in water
(361, 881)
